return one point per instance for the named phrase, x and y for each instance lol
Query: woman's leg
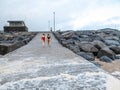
(49, 42)
(43, 43)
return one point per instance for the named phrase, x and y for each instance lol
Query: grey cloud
(36, 13)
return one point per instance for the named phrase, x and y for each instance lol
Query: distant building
(16, 26)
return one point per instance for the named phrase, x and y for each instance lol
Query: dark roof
(16, 21)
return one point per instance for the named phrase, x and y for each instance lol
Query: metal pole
(54, 20)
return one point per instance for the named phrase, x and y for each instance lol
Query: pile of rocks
(14, 40)
(104, 43)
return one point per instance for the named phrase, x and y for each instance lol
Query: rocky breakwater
(103, 44)
(14, 40)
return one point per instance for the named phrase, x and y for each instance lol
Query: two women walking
(44, 38)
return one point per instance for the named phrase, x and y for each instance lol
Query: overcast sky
(70, 14)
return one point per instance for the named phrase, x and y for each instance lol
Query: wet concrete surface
(33, 67)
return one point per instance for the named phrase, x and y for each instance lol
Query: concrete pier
(33, 67)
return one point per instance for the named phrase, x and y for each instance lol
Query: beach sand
(112, 68)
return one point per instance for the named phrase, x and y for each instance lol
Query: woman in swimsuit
(43, 40)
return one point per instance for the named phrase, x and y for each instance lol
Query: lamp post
(54, 20)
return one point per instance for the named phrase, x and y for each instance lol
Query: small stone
(105, 59)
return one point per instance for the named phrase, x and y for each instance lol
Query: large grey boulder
(83, 36)
(105, 59)
(4, 49)
(117, 57)
(88, 56)
(106, 52)
(112, 38)
(8, 37)
(58, 36)
(112, 42)
(98, 44)
(115, 49)
(12, 41)
(68, 34)
(90, 37)
(26, 40)
(88, 47)
(66, 42)
(74, 48)
(75, 37)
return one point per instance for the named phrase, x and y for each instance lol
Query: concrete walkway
(33, 67)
